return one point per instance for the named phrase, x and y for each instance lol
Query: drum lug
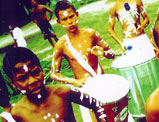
(115, 109)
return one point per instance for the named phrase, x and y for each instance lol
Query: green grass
(98, 21)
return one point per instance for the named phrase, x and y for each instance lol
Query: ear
(14, 86)
(58, 21)
(77, 14)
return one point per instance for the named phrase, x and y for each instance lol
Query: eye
(71, 16)
(35, 72)
(22, 78)
(64, 19)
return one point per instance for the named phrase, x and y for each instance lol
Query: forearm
(89, 102)
(144, 24)
(114, 36)
(61, 78)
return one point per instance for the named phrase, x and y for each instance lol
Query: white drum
(112, 90)
(143, 74)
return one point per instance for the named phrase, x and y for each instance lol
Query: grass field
(97, 20)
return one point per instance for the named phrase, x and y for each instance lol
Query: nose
(69, 21)
(31, 80)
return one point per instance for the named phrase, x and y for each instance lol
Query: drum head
(107, 88)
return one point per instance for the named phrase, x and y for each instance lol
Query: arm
(50, 12)
(111, 26)
(56, 65)
(102, 47)
(81, 98)
(15, 43)
(144, 16)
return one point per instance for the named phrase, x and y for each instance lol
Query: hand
(139, 30)
(109, 54)
(157, 53)
(97, 50)
(123, 47)
(79, 82)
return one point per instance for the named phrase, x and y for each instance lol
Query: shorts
(46, 29)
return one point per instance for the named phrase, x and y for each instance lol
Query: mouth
(36, 90)
(72, 27)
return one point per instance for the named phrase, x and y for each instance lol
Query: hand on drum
(99, 51)
(123, 47)
(80, 82)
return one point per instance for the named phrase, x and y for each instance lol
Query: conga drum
(112, 90)
(143, 74)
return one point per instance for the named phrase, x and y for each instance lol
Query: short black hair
(4, 93)
(16, 55)
(63, 5)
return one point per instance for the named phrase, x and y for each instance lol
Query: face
(28, 77)
(33, 2)
(68, 19)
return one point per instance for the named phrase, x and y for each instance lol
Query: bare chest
(50, 111)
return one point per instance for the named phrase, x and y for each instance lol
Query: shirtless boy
(39, 17)
(152, 106)
(87, 43)
(128, 13)
(42, 103)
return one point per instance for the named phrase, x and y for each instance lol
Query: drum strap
(79, 58)
(7, 116)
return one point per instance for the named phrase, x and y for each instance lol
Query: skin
(154, 36)
(55, 102)
(83, 40)
(39, 13)
(11, 27)
(152, 106)
(114, 13)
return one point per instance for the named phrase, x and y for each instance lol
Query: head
(33, 2)
(11, 27)
(156, 37)
(4, 93)
(66, 15)
(24, 70)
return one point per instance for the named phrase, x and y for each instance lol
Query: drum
(112, 91)
(143, 76)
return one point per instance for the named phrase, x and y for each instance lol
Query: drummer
(128, 14)
(79, 46)
(152, 106)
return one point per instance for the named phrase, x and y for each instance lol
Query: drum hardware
(112, 90)
(143, 78)
(115, 109)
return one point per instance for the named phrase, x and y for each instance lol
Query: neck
(38, 98)
(73, 34)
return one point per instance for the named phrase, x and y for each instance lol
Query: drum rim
(135, 65)
(114, 102)
(127, 89)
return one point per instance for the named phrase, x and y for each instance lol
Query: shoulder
(138, 2)
(60, 43)
(20, 106)
(89, 31)
(59, 89)
(113, 8)
(153, 99)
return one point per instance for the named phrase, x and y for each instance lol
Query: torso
(83, 44)
(39, 13)
(55, 108)
(128, 18)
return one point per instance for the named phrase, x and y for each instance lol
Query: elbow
(148, 22)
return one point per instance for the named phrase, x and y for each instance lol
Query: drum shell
(144, 79)
(112, 90)
(117, 111)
